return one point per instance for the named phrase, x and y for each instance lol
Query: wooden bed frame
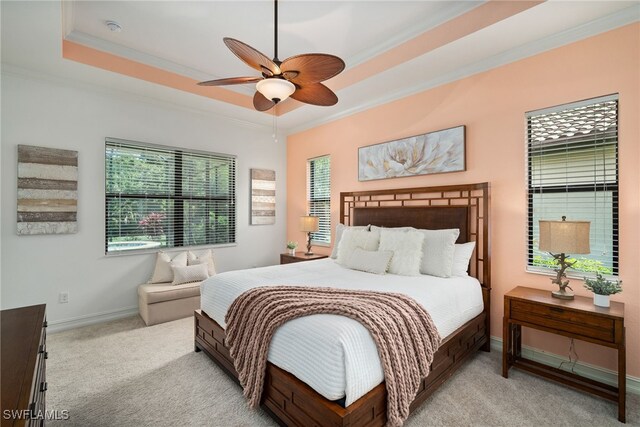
(293, 403)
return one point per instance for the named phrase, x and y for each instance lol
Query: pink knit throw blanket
(403, 331)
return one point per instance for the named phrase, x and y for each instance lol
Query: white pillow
(406, 246)
(376, 262)
(461, 258)
(205, 257)
(189, 273)
(438, 250)
(163, 273)
(356, 238)
(339, 230)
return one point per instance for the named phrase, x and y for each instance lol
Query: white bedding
(336, 355)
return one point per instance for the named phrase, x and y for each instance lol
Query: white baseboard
(597, 373)
(90, 319)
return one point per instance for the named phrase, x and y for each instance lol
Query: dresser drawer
(595, 327)
(284, 259)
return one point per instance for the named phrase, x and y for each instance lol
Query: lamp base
(309, 253)
(562, 294)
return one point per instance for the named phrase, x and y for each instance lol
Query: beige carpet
(125, 374)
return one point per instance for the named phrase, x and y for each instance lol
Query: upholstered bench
(163, 302)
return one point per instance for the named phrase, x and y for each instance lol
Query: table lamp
(309, 224)
(560, 238)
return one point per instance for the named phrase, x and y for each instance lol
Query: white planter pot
(292, 252)
(601, 300)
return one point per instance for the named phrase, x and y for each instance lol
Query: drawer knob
(44, 386)
(557, 310)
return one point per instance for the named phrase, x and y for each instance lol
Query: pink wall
(492, 106)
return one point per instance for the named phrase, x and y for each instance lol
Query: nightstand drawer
(600, 328)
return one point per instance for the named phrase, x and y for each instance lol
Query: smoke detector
(113, 26)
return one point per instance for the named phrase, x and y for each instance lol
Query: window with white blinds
(164, 197)
(319, 196)
(573, 171)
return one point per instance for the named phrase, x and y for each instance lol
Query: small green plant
(292, 245)
(602, 286)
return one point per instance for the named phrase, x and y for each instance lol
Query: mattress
(336, 355)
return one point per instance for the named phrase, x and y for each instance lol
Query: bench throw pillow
(406, 246)
(376, 262)
(163, 273)
(204, 257)
(189, 273)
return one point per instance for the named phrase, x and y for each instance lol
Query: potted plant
(292, 247)
(602, 288)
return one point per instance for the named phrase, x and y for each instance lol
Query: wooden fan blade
(250, 56)
(315, 94)
(261, 102)
(230, 81)
(312, 67)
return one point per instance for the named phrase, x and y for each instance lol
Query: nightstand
(299, 257)
(578, 319)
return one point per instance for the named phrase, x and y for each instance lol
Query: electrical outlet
(63, 297)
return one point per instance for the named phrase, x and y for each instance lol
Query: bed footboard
(293, 403)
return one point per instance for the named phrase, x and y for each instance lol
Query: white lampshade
(568, 237)
(309, 224)
(275, 89)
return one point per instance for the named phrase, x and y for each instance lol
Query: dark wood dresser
(24, 353)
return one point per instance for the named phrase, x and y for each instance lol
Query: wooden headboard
(465, 207)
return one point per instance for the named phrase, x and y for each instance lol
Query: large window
(163, 197)
(319, 196)
(573, 172)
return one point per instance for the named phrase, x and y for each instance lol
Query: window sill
(168, 250)
(575, 275)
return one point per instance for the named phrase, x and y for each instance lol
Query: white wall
(34, 269)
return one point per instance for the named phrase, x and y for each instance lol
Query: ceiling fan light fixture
(275, 89)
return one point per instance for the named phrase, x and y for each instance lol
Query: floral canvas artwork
(434, 152)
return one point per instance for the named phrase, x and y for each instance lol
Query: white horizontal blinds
(319, 196)
(573, 172)
(167, 197)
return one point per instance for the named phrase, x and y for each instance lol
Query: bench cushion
(151, 293)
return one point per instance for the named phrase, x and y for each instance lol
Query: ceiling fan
(298, 76)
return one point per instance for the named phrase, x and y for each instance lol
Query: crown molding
(29, 74)
(583, 31)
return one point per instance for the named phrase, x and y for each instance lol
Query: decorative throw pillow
(439, 246)
(461, 257)
(376, 262)
(406, 246)
(356, 238)
(205, 257)
(163, 273)
(339, 230)
(189, 273)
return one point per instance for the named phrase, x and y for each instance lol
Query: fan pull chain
(275, 126)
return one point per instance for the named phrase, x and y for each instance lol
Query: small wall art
(434, 152)
(263, 196)
(47, 190)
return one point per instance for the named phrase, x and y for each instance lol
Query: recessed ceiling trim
(107, 61)
(616, 20)
(478, 18)
(454, 11)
